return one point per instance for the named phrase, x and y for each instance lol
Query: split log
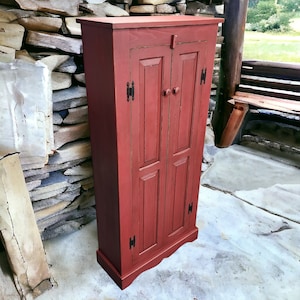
(143, 9)
(86, 199)
(71, 189)
(41, 23)
(54, 167)
(55, 184)
(152, 2)
(45, 203)
(32, 162)
(20, 13)
(69, 98)
(73, 27)
(39, 176)
(55, 128)
(50, 210)
(71, 133)
(11, 35)
(54, 41)
(33, 184)
(71, 151)
(7, 16)
(24, 55)
(68, 8)
(52, 61)
(87, 184)
(82, 169)
(105, 9)
(69, 66)
(60, 81)
(57, 119)
(39, 193)
(165, 9)
(80, 77)
(68, 196)
(66, 222)
(7, 54)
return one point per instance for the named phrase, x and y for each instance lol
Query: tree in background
(261, 11)
(271, 15)
(290, 5)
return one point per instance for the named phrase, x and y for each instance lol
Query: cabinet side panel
(207, 63)
(98, 61)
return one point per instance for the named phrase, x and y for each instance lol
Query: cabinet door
(149, 130)
(185, 149)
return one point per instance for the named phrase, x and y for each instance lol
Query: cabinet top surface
(148, 21)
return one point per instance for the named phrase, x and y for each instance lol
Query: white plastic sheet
(26, 111)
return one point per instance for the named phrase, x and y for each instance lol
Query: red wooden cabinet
(148, 85)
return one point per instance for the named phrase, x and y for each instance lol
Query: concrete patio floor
(248, 245)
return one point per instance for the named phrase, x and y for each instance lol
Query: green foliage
(265, 15)
(290, 5)
(251, 15)
(285, 18)
(262, 11)
(265, 9)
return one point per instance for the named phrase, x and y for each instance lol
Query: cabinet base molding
(125, 280)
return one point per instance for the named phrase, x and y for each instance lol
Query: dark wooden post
(232, 50)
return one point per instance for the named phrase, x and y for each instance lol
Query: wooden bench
(269, 88)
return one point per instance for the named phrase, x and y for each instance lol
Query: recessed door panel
(148, 226)
(187, 70)
(150, 108)
(177, 214)
(149, 130)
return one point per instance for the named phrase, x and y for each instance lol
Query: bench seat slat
(268, 102)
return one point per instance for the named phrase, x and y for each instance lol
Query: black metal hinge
(203, 76)
(132, 242)
(190, 209)
(130, 91)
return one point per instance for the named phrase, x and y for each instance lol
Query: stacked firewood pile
(61, 191)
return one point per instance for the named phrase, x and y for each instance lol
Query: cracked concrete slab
(239, 168)
(280, 199)
(248, 245)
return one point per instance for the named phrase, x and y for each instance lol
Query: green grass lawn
(279, 47)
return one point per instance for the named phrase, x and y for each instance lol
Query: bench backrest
(272, 79)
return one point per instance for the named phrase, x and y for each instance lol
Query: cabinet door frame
(150, 72)
(184, 151)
